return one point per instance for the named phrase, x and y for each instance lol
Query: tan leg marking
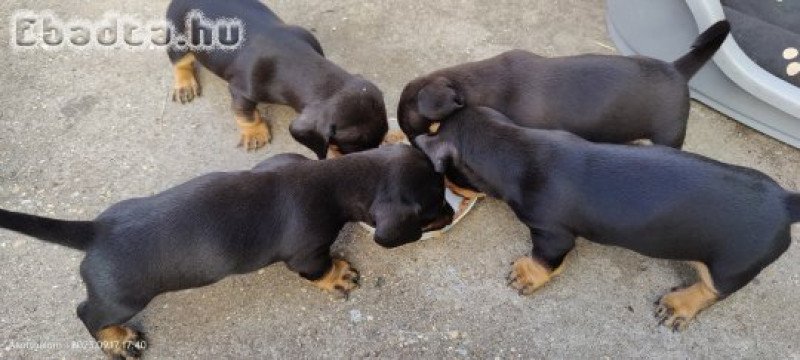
(676, 309)
(185, 87)
(121, 341)
(527, 275)
(395, 137)
(254, 131)
(340, 279)
(465, 193)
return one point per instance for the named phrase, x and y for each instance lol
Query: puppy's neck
(494, 158)
(351, 187)
(322, 86)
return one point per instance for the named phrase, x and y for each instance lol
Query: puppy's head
(443, 146)
(410, 200)
(442, 153)
(426, 101)
(352, 120)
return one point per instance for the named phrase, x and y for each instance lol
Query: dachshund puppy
(276, 63)
(728, 221)
(287, 209)
(615, 99)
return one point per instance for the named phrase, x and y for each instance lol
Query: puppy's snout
(445, 218)
(447, 210)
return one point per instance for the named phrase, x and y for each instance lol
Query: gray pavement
(80, 130)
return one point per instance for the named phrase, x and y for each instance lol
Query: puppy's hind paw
(527, 275)
(667, 317)
(340, 279)
(676, 309)
(121, 342)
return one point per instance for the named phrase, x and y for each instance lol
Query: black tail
(703, 49)
(74, 234)
(793, 202)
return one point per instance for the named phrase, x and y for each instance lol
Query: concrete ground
(80, 130)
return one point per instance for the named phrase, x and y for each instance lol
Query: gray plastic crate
(733, 84)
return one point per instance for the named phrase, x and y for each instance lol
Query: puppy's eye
(434, 128)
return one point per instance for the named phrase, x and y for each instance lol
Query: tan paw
(254, 135)
(676, 309)
(340, 279)
(186, 88)
(119, 341)
(527, 275)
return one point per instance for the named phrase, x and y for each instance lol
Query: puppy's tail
(703, 49)
(793, 202)
(74, 234)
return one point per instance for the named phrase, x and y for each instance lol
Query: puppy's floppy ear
(395, 224)
(439, 151)
(314, 130)
(439, 99)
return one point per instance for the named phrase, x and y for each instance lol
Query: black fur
(703, 49)
(601, 98)
(656, 200)
(73, 234)
(287, 209)
(794, 207)
(284, 64)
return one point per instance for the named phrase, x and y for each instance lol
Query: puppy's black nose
(445, 218)
(448, 209)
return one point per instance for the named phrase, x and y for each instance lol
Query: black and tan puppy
(729, 221)
(286, 209)
(615, 99)
(277, 63)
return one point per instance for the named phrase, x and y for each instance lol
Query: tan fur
(677, 308)
(464, 193)
(433, 129)
(334, 152)
(185, 87)
(115, 340)
(254, 131)
(341, 278)
(395, 137)
(527, 275)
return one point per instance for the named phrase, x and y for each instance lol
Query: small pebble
(355, 316)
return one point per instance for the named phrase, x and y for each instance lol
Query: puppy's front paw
(121, 342)
(186, 88)
(340, 279)
(676, 309)
(527, 275)
(254, 135)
